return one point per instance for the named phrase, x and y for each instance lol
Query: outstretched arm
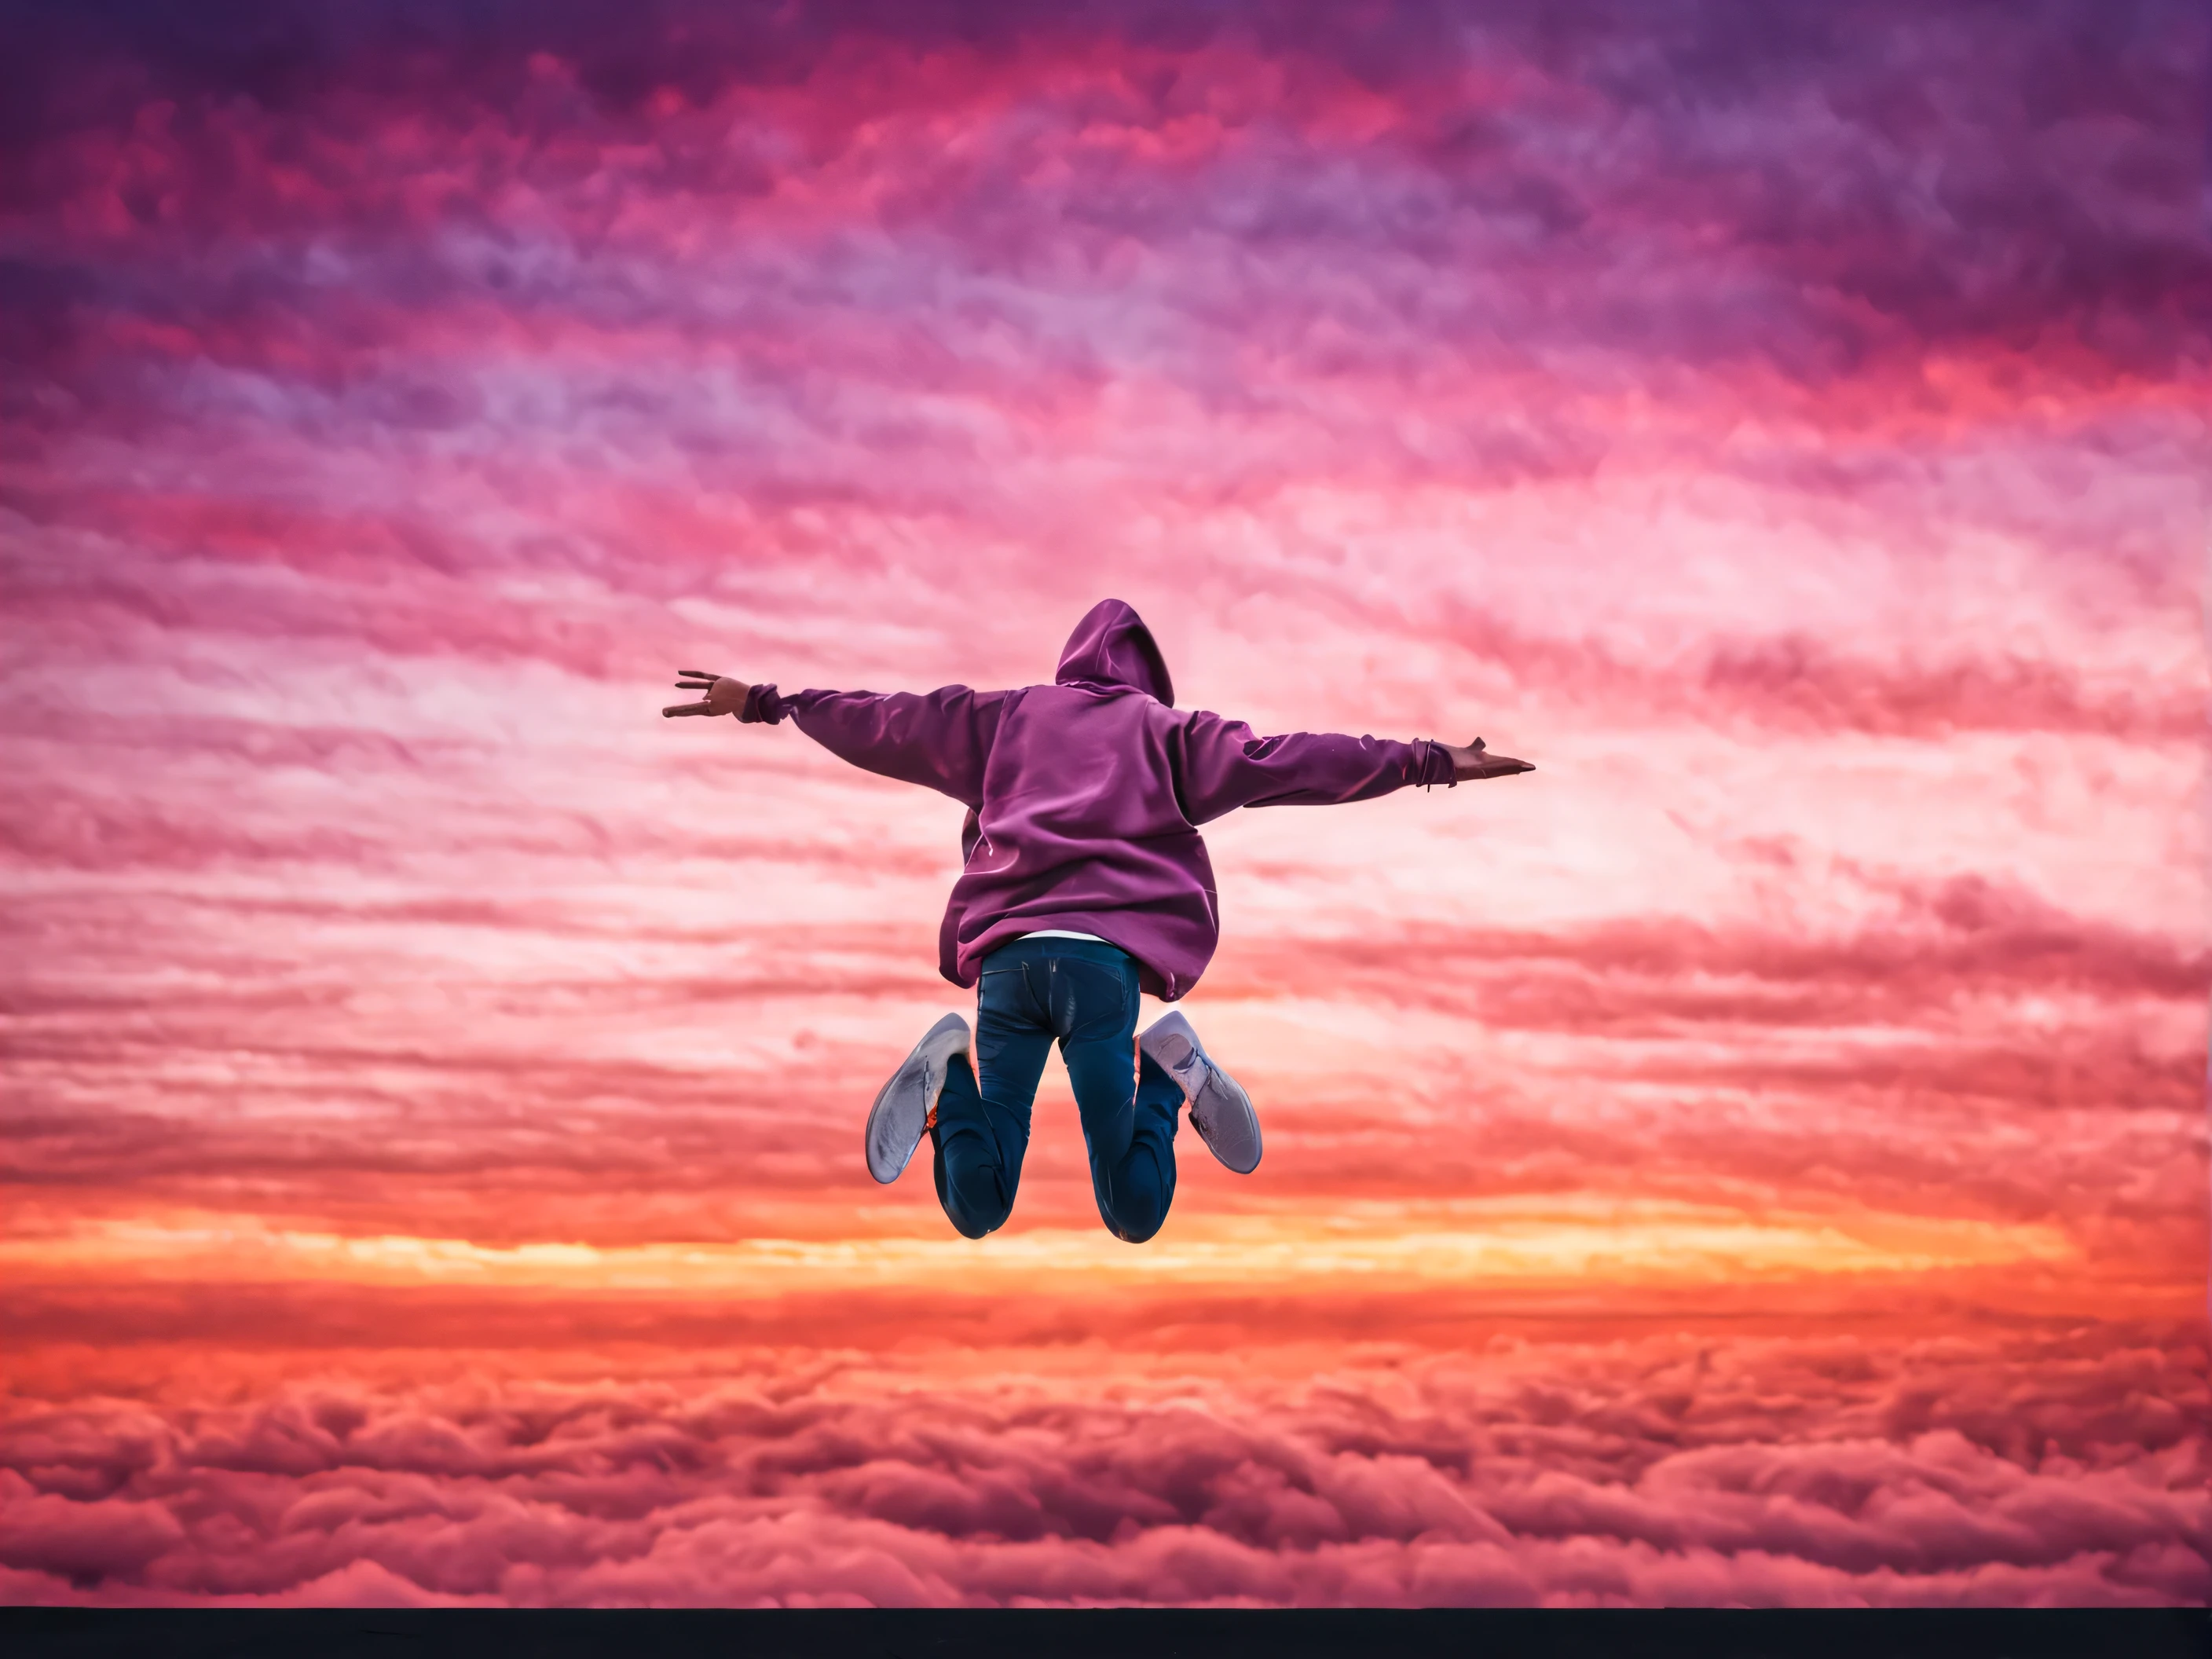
(941, 739)
(1221, 765)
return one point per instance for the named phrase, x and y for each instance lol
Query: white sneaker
(904, 1106)
(1220, 1110)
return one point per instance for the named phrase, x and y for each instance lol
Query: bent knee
(976, 1206)
(1135, 1223)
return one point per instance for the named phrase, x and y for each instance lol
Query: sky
(1758, 1158)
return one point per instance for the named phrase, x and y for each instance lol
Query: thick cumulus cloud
(1678, 1471)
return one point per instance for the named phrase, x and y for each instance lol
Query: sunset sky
(1759, 1157)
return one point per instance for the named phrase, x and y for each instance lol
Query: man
(1086, 883)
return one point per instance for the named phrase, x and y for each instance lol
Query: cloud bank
(1761, 1472)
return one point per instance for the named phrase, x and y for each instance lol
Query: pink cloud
(1785, 430)
(1560, 1474)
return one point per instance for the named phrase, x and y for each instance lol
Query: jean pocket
(1003, 991)
(1103, 997)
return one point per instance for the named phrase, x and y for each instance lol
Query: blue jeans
(1085, 994)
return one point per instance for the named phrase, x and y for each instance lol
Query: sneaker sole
(1220, 1110)
(1225, 1121)
(899, 1116)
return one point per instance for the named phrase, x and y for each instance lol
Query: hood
(1112, 647)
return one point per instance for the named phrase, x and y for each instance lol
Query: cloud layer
(1761, 1472)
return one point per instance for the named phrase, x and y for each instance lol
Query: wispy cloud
(1784, 426)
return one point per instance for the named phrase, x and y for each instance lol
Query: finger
(674, 709)
(698, 674)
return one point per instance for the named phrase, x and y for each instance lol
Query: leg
(1134, 1195)
(982, 1132)
(1129, 1105)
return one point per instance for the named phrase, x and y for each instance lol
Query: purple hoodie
(1084, 796)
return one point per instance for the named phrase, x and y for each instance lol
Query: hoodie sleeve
(1221, 765)
(940, 738)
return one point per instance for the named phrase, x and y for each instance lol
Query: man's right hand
(1473, 760)
(724, 695)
